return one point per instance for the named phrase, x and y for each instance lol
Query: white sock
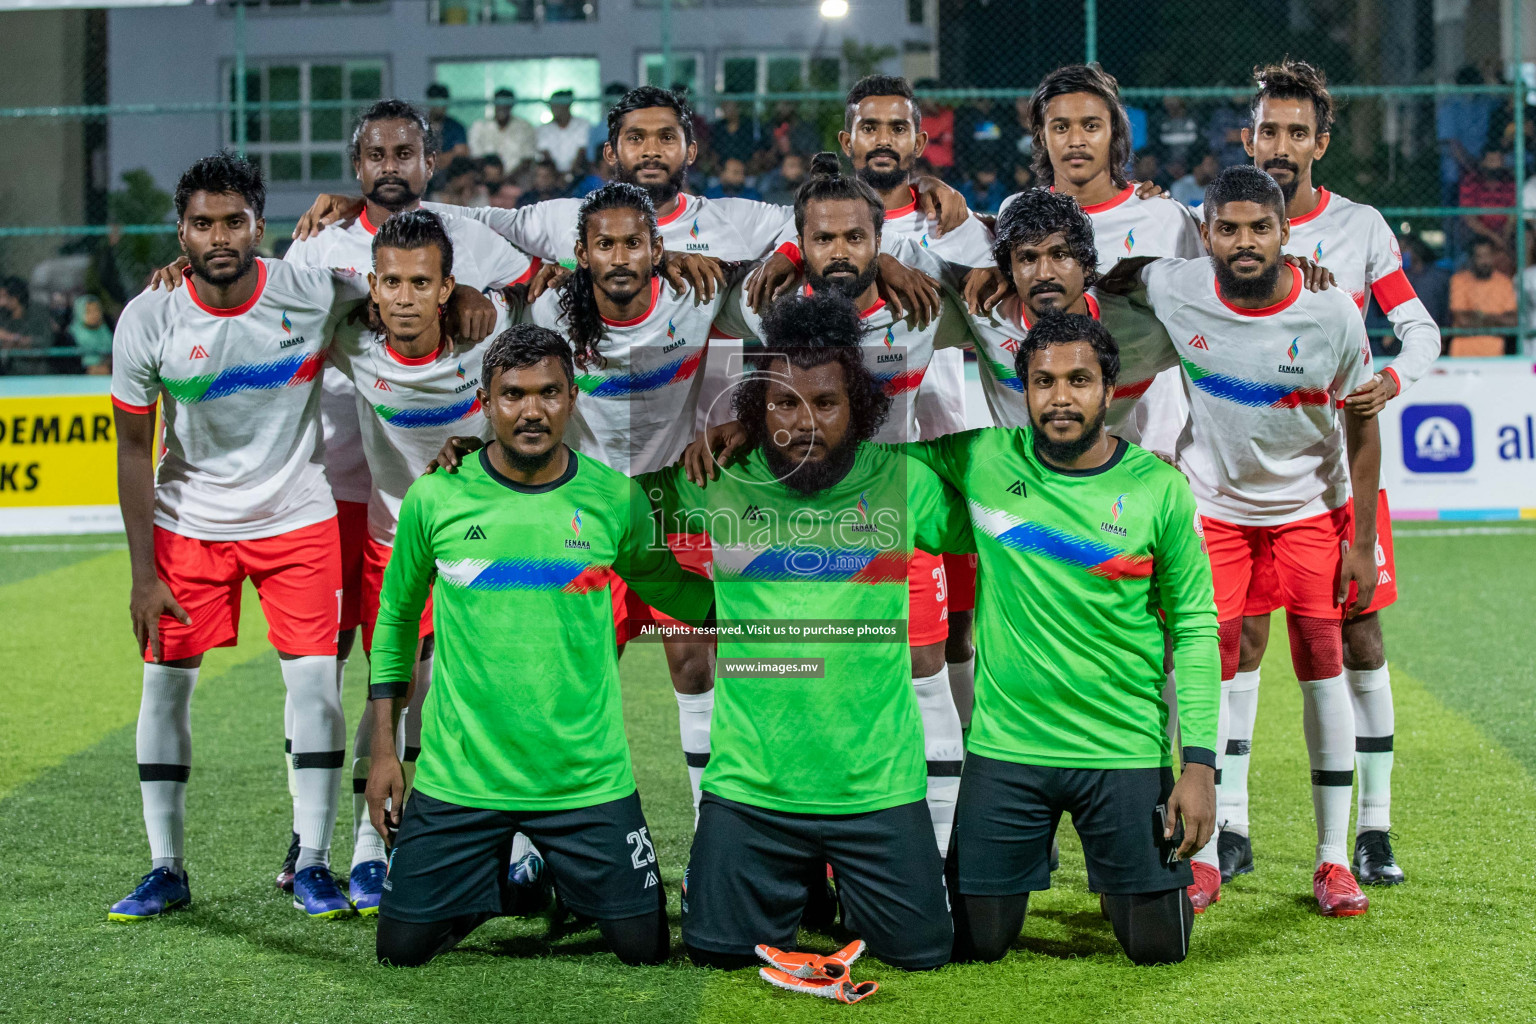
(1329, 724)
(1171, 698)
(944, 748)
(1207, 853)
(962, 687)
(319, 750)
(164, 752)
(367, 844)
(1240, 696)
(409, 743)
(293, 782)
(1370, 692)
(694, 713)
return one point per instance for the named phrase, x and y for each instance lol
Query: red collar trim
(367, 224)
(655, 293)
(1267, 310)
(1110, 204)
(1322, 204)
(417, 360)
(682, 205)
(903, 211)
(1093, 310)
(244, 307)
(864, 314)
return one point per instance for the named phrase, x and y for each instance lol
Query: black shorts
(451, 860)
(1007, 814)
(750, 871)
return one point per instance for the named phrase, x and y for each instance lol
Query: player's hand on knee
(774, 278)
(910, 293)
(146, 604)
(704, 274)
(942, 204)
(329, 208)
(168, 276)
(1357, 565)
(385, 793)
(452, 453)
(550, 275)
(1193, 799)
(1371, 397)
(1316, 278)
(984, 288)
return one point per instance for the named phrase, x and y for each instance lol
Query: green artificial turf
(1455, 943)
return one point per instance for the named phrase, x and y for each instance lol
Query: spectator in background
(1431, 282)
(546, 184)
(1224, 133)
(984, 192)
(612, 93)
(1528, 286)
(732, 182)
(492, 173)
(1177, 132)
(791, 134)
(1482, 295)
(89, 331)
(1489, 184)
(1023, 176)
(1189, 189)
(1021, 134)
(736, 136)
(505, 134)
(563, 136)
(462, 185)
(703, 132)
(1461, 128)
(780, 185)
(1149, 168)
(587, 176)
(452, 139)
(939, 123)
(22, 326)
(979, 137)
(506, 197)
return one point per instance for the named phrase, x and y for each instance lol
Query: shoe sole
(366, 911)
(1342, 913)
(327, 915)
(130, 918)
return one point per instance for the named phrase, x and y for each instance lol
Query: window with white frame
(687, 67)
(298, 114)
(776, 71)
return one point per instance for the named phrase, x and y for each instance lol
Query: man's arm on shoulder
(941, 522)
(646, 563)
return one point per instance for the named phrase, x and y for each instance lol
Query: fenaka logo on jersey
(673, 341)
(1130, 241)
(290, 341)
(695, 245)
(1317, 254)
(468, 383)
(287, 324)
(862, 508)
(460, 372)
(1291, 353)
(1198, 341)
(1437, 438)
(1116, 511)
(576, 529)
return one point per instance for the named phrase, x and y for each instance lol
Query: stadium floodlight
(833, 9)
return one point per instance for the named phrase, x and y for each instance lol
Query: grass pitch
(1455, 943)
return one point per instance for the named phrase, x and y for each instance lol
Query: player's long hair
(1038, 213)
(578, 301)
(826, 181)
(220, 174)
(1089, 78)
(412, 229)
(1293, 79)
(809, 331)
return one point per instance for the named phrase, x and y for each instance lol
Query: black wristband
(386, 691)
(1200, 755)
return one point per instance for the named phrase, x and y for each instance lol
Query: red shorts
(1305, 555)
(297, 574)
(631, 614)
(927, 600)
(375, 558)
(352, 523)
(1264, 590)
(960, 577)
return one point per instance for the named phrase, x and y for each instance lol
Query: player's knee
(691, 668)
(1363, 646)
(1229, 641)
(1153, 928)
(1255, 638)
(1317, 647)
(401, 944)
(640, 941)
(927, 660)
(957, 646)
(720, 961)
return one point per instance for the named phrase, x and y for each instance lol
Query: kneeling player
(522, 729)
(813, 523)
(1070, 523)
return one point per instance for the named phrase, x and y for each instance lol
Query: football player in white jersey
(1274, 455)
(234, 360)
(1292, 124)
(840, 221)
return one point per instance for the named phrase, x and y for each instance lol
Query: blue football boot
(367, 886)
(316, 893)
(160, 890)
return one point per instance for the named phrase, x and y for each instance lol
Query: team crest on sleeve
(1200, 532)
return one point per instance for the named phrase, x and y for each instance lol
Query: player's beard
(1064, 453)
(525, 463)
(1234, 287)
(848, 287)
(811, 476)
(885, 181)
(663, 193)
(200, 267)
(400, 197)
(1287, 188)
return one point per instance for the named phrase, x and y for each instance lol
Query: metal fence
(1435, 126)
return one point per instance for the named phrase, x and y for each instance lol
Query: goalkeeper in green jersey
(522, 730)
(1088, 548)
(817, 742)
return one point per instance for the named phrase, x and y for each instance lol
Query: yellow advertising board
(58, 456)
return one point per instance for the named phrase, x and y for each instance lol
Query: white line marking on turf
(63, 547)
(1464, 531)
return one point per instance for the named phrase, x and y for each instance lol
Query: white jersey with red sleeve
(241, 399)
(409, 407)
(727, 229)
(1145, 351)
(1354, 242)
(481, 259)
(636, 411)
(1126, 225)
(1264, 388)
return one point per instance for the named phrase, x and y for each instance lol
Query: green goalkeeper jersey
(524, 710)
(1074, 569)
(852, 740)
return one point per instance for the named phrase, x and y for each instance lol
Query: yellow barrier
(58, 460)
